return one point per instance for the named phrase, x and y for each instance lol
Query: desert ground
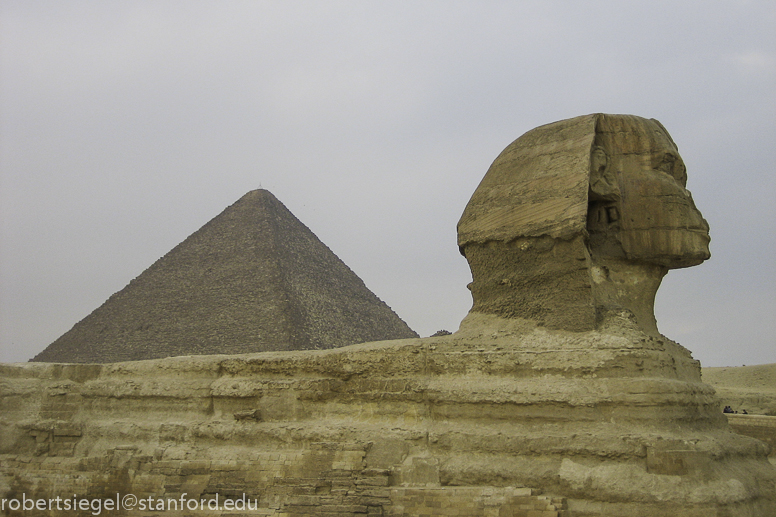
(750, 388)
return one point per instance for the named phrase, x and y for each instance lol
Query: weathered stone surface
(252, 279)
(762, 427)
(581, 219)
(537, 186)
(615, 421)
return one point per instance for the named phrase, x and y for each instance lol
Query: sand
(750, 388)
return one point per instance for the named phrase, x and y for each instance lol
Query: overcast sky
(126, 126)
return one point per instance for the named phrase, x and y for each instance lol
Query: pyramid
(253, 279)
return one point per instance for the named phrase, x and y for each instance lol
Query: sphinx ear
(603, 184)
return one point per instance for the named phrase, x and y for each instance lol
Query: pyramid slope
(252, 279)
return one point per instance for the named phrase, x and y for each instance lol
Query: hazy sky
(125, 126)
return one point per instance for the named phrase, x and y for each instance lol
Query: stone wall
(471, 424)
(757, 426)
(327, 479)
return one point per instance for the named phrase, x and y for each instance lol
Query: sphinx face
(639, 206)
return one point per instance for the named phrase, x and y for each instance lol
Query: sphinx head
(580, 219)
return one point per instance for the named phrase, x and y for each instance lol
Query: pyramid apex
(258, 197)
(259, 192)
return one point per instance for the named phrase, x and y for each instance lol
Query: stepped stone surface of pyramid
(252, 279)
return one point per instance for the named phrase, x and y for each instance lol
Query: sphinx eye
(667, 164)
(674, 167)
(680, 173)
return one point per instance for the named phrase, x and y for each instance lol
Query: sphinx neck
(628, 288)
(561, 284)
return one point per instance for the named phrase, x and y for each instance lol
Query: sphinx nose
(695, 221)
(695, 216)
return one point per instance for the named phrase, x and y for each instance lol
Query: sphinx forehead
(629, 134)
(539, 184)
